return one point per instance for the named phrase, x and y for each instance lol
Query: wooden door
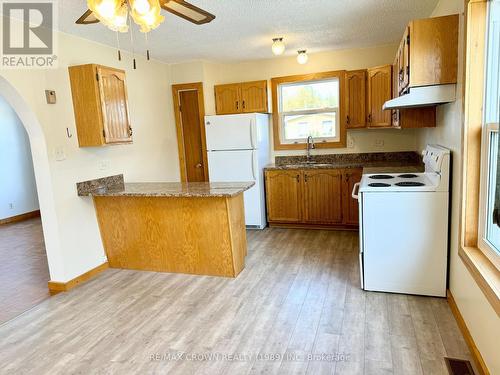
(228, 99)
(113, 96)
(355, 99)
(192, 136)
(323, 196)
(351, 208)
(284, 196)
(254, 97)
(379, 91)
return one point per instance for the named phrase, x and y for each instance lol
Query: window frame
(278, 130)
(485, 182)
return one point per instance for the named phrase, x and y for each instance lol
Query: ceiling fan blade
(187, 11)
(87, 18)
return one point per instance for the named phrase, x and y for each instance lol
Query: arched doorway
(42, 175)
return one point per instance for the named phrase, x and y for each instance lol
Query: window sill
(302, 146)
(484, 272)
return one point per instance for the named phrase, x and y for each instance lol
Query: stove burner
(379, 184)
(381, 177)
(407, 175)
(409, 183)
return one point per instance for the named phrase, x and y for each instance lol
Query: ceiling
(243, 29)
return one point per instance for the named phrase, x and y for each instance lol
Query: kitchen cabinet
(322, 196)
(355, 95)
(312, 197)
(428, 53)
(351, 207)
(379, 90)
(245, 97)
(283, 195)
(100, 105)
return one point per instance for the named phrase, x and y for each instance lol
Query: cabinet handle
(348, 120)
(130, 131)
(243, 104)
(297, 178)
(305, 178)
(237, 105)
(370, 117)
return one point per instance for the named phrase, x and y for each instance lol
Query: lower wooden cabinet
(283, 195)
(312, 197)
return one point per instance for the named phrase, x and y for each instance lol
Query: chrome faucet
(310, 146)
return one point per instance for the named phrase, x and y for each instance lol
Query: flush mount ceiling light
(302, 56)
(278, 46)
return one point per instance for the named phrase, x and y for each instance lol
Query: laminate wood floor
(24, 272)
(298, 296)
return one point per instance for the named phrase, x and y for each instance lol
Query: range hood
(423, 96)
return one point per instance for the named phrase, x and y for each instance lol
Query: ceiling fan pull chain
(132, 42)
(147, 46)
(118, 45)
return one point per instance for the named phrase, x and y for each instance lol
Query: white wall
(17, 179)
(364, 140)
(75, 245)
(480, 317)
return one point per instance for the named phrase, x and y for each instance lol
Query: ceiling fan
(145, 13)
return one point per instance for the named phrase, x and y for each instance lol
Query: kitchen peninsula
(196, 228)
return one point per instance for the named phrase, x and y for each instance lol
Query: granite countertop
(114, 186)
(386, 160)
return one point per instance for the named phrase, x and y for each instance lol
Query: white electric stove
(404, 228)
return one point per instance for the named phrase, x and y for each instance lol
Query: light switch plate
(379, 143)
(103, 165)
(50, 95)
(350, 142)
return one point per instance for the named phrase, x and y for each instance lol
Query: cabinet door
(113, 96)
(284, 195)
(379, 91)
(406, 60)
(254, 96)
(323, 196)
(227, 99)
(351, 208)
(355, 95)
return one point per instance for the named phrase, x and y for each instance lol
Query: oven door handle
(355, 191)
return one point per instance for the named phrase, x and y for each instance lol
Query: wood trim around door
(176, 89)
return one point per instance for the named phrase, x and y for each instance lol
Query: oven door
(359, 196)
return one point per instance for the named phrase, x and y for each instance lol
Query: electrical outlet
(60, 154)
(350, 142)
(379, 143)
(103, 165)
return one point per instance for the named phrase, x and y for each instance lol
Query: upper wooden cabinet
(100, 104)
(355, 95)
(379, 90)
(246, 97)
(428, 53)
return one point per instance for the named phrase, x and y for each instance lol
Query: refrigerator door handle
(253, 166)
(251, 134)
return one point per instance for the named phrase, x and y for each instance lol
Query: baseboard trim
(21, 217)
(56, 287)
(476, 354)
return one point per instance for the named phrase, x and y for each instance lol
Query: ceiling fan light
(151, 19)
(302, 57)
(104, 10)
(141, 6)
(278, 46)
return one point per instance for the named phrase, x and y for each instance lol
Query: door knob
(198, 165)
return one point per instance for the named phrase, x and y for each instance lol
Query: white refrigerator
(238, 150)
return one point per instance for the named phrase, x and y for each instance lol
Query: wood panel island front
(195, 228)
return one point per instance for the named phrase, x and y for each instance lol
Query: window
(489, 229)
(306, 106)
